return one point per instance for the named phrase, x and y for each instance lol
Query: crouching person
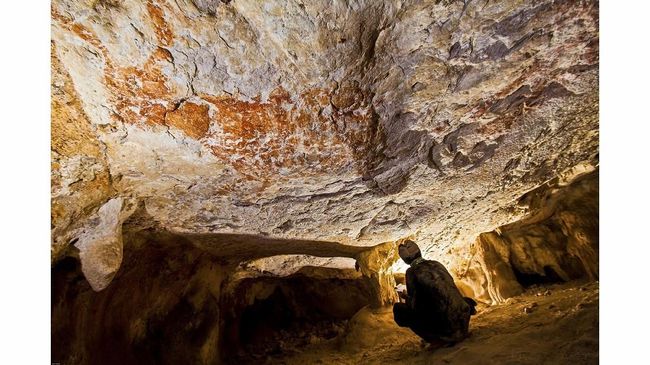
(434, 309)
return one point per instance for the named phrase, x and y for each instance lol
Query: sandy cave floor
(561, 328)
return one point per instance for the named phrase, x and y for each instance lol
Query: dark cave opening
(291, 312)
(263, 318)
(173, 302)
(530, 279)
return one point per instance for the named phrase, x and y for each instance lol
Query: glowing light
(399, 267)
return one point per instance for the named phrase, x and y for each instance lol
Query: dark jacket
(435, 301)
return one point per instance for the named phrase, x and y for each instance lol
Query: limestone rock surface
(556, 241)
(101, 246)
(355, 122)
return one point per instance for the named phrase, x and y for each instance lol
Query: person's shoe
(432, 345)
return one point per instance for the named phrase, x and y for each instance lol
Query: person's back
(437, 301)
(434, 308)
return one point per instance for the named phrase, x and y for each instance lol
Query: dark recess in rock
(454, 51)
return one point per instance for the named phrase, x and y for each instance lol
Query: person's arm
(410, 288)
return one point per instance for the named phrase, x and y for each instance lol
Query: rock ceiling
(355, 122)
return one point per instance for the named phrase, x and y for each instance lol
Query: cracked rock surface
(355, 122)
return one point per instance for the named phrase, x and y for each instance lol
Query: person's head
(409, 251)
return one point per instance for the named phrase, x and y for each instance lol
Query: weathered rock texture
(100, 244)
(556, 241)
(80, 177)
(356, 122)
(162, 308)
(204, 152)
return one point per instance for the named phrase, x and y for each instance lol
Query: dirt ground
(553, 324)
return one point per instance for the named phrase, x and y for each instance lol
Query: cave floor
(561, 328)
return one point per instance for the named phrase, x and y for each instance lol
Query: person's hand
(402, 294)
(401, 291)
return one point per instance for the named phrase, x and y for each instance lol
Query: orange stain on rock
(286, 136)
(141, 94)
(193, 119)
(161, 27)
(261, 138)
(318, 131)
(138, 94)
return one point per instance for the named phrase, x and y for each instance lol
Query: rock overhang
(352, 123)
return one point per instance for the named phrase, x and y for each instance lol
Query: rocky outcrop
(556, 241)
(80, 179)
(100, 244)
(376, 265)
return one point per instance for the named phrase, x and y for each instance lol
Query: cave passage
(244, 299)
(527, 280)
(300, 310)
(175, 302)
(230, 179)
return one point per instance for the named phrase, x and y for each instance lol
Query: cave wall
(376, 265)
(80, 178)
(189, 136)
(162, 308)
(556, 241)
(173, 300)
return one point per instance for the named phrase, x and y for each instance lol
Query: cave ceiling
(354, 122)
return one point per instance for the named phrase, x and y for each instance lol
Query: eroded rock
(356, 123)
(101, 246)
(376, 265)
(262, 137)
(556, 241)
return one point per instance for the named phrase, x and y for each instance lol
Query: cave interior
(230, 180)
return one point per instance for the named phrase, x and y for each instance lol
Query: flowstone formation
(224, 146)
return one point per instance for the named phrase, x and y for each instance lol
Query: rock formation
(202, 148)
(557, 241)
